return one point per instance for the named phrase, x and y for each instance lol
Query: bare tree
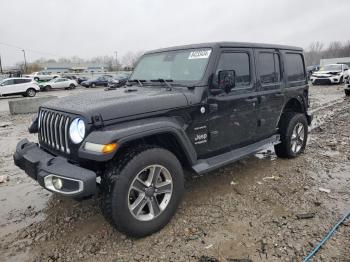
(130, 58)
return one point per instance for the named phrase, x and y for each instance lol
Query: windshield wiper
(162, 80)
(139, 81)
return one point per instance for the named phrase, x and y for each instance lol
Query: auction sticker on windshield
(200, 54)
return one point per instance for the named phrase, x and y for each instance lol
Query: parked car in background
(311, 69)
(19, 86)
(42, 76)
(331, 74)
(119, 80)
(99, 81)
(82, 79)
(70, 77)
(59, 83)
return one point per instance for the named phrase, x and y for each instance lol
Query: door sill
(206, 165)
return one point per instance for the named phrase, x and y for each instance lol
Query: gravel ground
(247, 210)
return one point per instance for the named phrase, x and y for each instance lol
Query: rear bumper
(43, 167)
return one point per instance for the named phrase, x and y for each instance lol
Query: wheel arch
(295, 104)
(162, 132)
(168, 140)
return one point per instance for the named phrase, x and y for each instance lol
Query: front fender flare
(129, 131)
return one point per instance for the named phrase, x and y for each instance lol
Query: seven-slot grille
(53, 130)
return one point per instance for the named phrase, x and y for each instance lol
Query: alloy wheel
(150, 192)
(298, 136)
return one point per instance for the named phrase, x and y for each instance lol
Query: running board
(209, 164)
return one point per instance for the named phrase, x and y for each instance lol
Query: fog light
(57, 183)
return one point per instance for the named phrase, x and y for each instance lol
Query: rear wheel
(347, 92)
(93, 85)
(71, 86)
(36, 79)
(47, 88)
(341, 80)
(142, 190)
(293, 131)
(30, 92)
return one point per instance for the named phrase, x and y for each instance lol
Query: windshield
(331, 68)
(180, 65)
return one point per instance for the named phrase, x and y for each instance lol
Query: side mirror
(227, 80)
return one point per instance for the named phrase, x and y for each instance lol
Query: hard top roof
(227, 44)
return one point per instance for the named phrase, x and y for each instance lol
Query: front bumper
(42, 167)
(325, 80)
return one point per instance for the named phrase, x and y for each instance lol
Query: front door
(271, 92)
(232, 113)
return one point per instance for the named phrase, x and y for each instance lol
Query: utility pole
(25, 61)
(0, 65)
(116, 60)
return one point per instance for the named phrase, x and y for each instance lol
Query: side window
(21, 81)
(269, 67)
(9, 82)
(295, 67)
(235, 61)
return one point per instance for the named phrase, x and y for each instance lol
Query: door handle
(251, 99)
(279, 95)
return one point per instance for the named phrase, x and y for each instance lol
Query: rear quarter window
(295, 70)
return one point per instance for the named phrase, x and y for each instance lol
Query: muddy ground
(246, 210)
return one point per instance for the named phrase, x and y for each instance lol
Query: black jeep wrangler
(196, 107)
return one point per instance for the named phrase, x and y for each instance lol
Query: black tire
(36, 79)
(117, 179)
(47, 88)
(288, 122)
(71, 86)
(347, 92)
(341, 80)
(93, 85)
(30, 92)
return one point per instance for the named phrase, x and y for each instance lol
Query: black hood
(120, 103)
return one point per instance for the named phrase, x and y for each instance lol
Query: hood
(120, 103)
(333, 72)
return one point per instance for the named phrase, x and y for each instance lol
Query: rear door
(270, 95)
(232, 115)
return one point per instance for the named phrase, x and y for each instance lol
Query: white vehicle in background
(19, 86)
(42, 76)
(331, 74)
(58, 82)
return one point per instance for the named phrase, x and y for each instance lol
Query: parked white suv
(59, 83)
(42, 76)
(18, 86)
(331, 74)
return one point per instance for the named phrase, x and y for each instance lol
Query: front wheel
(71, 86)
(347, 92)
(142, 190)
(293, 130)
(93, 85)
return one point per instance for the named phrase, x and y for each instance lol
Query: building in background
(340, 60)
(70, 68)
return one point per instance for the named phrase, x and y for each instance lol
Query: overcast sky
(64, 28)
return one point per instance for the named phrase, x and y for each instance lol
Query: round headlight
(77, 130)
